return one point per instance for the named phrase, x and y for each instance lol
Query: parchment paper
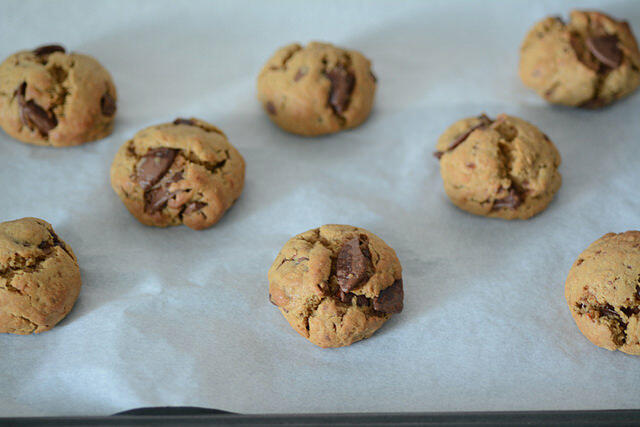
(180, 317)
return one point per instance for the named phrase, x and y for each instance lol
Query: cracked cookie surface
(336, 284)
(184, 172)
(39, 277)
(316, 89)
(50, 97)
(505, 168)
(588, 62)
(603, 292)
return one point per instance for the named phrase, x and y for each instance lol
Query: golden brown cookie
(603, 292)
(50, 97)
(589, 62)
(505, 168)
(336, 284)
(185, 172)
(39, 277)
(316, 89)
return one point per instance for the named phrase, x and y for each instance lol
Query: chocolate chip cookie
(185, 172)
(316, 89)
(336, 284)
(50, 97)
(603, 292)
(588, 62)
(39, 277)
(505, 168)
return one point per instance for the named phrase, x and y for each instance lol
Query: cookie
(336, 284)
(50, 97)
(588, 62)
(39, 277)
(185, 172)
(316, 89)
(603, 292)
(505, 168)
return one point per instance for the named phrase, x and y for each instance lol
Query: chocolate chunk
(390, 299)
(485, 121)
(193, 207)
(606, 49)
(638, 291)
(107, 104)
(154, 165)
(342, 84)
(607, 310)
(438, 154)
(271, 109)
(347, 297)
(351, 265)
(33, 115)
(511, 201)
(180, 121)
(156, 198)
(630, 311)
(45, 245)
(577, 43)
(373, 76)
(302, 71)
(48, 49)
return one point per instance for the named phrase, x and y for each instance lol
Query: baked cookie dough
(316, 89)
(336, 284)
(588, 62)
(50, 97)
(603, 292)
(39, 277)
(185, 172)
(504, 168)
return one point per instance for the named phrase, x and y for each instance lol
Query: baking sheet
(180, 317)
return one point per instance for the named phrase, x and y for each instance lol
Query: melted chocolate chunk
(511, 201)
(33, 115)
(180, 121)
(107, 104)
(154, 165)
(438, 154)
(193, 207)
(606, 50)
(342, 84)
(352, 265)
(48, 49)
(390, 299)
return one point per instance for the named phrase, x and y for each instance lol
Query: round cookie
(588, 62)
(336, 284)
(50, 97)
(185, 172)
(504, 168)
(316, 89)
(39, 277)
(603, 292)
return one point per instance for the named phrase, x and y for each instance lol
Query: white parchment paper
(180, 317)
